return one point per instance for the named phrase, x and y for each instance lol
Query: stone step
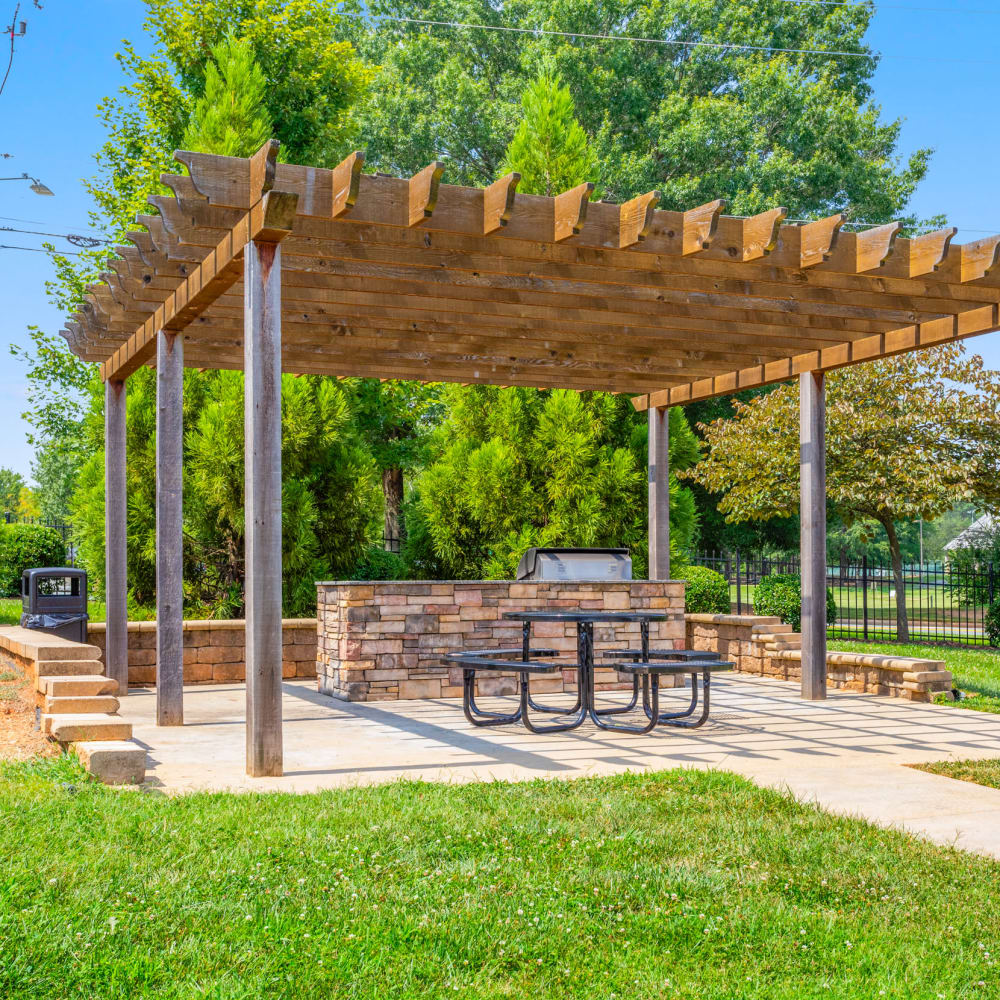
(106, 704)
(115, 762)
(87, 727)
(772, 629)
(76, 685)
(70, 668)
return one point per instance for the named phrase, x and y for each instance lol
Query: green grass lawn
(10, 610)
(678, 884)
(982, 772)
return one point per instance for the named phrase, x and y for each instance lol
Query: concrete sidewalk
(846, 754)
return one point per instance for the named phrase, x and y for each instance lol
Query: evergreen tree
(523, 467)
(520, 467)
(329, 491)
(230, 118)
(550, 150)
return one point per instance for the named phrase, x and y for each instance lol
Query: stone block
(420, 689)
(197, 673)
(115, 762)
(488, 686)
(227, 671)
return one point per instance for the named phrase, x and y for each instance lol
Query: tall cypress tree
(230, 118)
(550, 149)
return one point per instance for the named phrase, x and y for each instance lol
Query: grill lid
(575, 564)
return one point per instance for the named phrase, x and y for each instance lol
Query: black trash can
(54, 601)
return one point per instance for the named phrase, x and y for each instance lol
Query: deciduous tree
(906, 438)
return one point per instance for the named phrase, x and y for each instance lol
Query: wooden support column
(169, 529)
(812, 473)
(659, 493)
(115, 537)
(262, 365)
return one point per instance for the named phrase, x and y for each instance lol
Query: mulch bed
(18, 738)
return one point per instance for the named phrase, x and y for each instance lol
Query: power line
(79, 241)
(39, 222)
(62, 253)
(676, 42)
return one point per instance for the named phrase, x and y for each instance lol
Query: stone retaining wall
(384, 641)
(214, 651)
(761, 646)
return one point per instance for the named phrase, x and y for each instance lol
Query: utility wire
(79, 241)
(64, 253)
(676, 42)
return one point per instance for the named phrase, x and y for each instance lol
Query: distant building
(976, 536)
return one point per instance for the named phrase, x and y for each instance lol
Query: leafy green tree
(906, 437)
(549, 149)
(11, 484)
(329, 491)
(521, 467)
(394, 419)
(695, 122)
(313, 75)
(230, 117)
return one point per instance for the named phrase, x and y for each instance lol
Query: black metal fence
(944, 602)
(65, 530)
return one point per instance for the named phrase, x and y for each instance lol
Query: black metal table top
(582, 617)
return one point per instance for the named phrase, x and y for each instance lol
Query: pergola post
(169, 529)
(659, 493)
(812, 511)
(115, 536)
(262, 365)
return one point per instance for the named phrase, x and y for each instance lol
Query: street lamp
(36, 185)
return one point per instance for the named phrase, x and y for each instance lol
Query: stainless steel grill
(575, 564)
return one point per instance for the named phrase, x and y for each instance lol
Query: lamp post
(36, 185)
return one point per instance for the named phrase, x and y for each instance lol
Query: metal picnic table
(644, 664)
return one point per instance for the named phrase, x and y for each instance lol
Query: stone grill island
(382, 641)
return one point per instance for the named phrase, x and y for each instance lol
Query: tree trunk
(392, 492)
(902, 620)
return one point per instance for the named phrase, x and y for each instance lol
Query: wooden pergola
(268, 267)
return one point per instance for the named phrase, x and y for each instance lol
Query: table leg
(476, 715)
(532, 704)
(680, 721)
(676, 715)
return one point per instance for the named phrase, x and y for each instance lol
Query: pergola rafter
(263, 266)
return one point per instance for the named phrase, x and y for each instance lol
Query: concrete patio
(846, 754)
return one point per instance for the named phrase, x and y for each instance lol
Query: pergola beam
(984, 319)
(218, 272)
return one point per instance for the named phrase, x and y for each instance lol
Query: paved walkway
(845, 754)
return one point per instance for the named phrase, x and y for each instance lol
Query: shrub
(781, 594)
(707, 592)
(991, 623)
(379, 564)
(27, 546)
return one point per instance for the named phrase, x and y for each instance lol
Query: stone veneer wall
(384, 641)
(214, 651)
(762, 646)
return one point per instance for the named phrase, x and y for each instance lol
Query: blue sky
(937, 72)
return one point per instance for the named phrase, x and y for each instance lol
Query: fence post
(739, 598)
(864, 595)
(992, 583)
